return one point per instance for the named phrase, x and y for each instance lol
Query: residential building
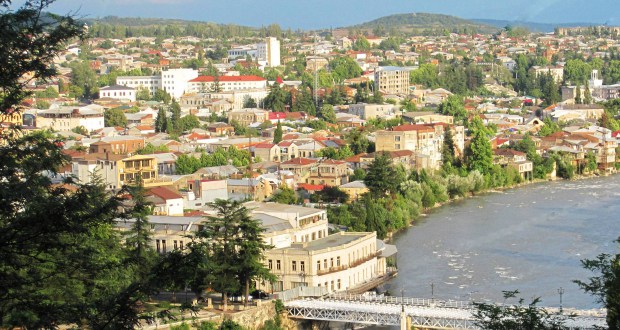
(247, 116)
(557, 72)
(165, 201)
(301, 167)
(169, 232)
(67, 118)
(118, 170)
(354, 189)
(392, 80)
(330, 172)
(255, 189)
(372, 111)
(203, 191)
(267, 151)
(117, 145)
(515, 159)
(118, 92)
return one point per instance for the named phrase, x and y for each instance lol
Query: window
(270, 264)
(294, 265)
(318, 265)
(163, 245)
(331, 262)
(339, 284)
(325, 263)
(158, 246)
(181, 245)
(338, 262)
(302, 266)
(278, 264)
(397, 138)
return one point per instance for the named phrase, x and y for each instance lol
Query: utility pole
(561, 292)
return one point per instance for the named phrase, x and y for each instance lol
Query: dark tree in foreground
(606, 286)
(516, 317)
(61, 261)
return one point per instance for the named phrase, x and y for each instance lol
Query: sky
(319, 14)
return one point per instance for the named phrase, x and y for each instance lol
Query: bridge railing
(426, 302)
(301, 292)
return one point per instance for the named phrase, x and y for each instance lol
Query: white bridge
(423, 313)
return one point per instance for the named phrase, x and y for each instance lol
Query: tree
(284, 195)
(479, 154)
(605, 286)
(344, 67)
(114, 117)
(143, 94)
(358, 142)
(578, 94)
(327, 113)
(84, 77)
(138, 238)
(175, 118)
(249, 102)
(361, 43)
(381, 177)
(162, 96)
(587, 95)
(448, 152)
(453, 106)
(187, 123)
(277, 98)
(251, 247)
(277, 134)
(161, 122)
(304, 102)
(517, 317)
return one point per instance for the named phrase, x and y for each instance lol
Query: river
(529, 239)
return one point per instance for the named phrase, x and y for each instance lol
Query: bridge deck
(438, 315)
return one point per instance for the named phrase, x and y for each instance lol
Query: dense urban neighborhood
(285, 159)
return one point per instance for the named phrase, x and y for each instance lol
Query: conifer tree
(277, 134)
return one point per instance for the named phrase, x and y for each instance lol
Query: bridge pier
(405, 321)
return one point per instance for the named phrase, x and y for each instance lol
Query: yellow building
(354, 189)
(118, 170)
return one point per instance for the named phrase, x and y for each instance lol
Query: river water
(529, 239)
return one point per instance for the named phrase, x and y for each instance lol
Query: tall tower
(269, 51)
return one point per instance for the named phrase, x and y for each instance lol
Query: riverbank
(428, 211)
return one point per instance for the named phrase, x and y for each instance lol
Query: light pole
(402, 299)
(561, 292)
(432, 290)
(303, 279)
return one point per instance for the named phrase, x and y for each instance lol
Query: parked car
(239, 297)
(259, 294)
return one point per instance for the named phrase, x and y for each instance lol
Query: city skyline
(327, 14)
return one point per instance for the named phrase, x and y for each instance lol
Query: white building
(226, 83)
(67, 118)
(269, 52)
(151, 83)
(174, 81)
(118, 92)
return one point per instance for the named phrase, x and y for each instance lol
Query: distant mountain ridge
(425, 21)
(532, 26)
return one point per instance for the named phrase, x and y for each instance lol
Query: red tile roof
(299, 161)
(409, 127)
(310, 187)
(164, 193)
(264, 145)
(227, 78)
(277, 115)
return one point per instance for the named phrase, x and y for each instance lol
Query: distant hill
(425, 23)
(532, 26)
